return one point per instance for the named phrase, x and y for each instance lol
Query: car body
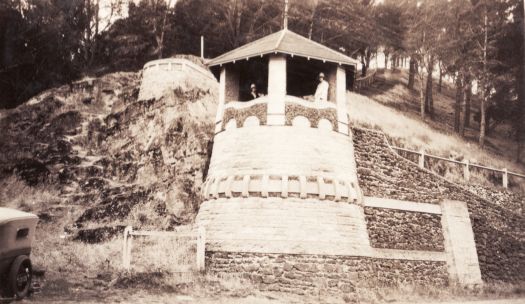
(17, 232)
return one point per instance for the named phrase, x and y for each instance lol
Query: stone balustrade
(299, 112)
(282, 186)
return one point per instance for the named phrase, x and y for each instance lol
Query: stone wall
(160, 76)
(499, 232)
(398, 229)
(277, 225)
(317, 274)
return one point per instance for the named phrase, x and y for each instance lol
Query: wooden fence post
(466, 171)
(201, 248)
(505, 178)
(126, 250)
(422, 158)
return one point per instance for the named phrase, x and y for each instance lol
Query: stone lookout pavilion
(284, 65)
(282, 177)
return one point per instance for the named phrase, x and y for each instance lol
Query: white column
(222, 99)
(276, 90)
(340, 99)
(460, 247)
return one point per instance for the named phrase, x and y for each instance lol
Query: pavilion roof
(284, 42)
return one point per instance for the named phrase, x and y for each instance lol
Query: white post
(466, 171)
(202, 47)
(201, 248)
(422, 158)
(505, 178)
(340, 99)
(222, 100)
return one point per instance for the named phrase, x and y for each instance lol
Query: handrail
(245, 104)
(309, 104)
(199, 234)
(367, 80)
(465, 163)
(367, 76)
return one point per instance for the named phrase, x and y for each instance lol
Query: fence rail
(467, 165)
(199, 236)
(365, 82)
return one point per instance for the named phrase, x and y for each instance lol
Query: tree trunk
(411, 73)
(457, 104)
(482, 125)
(468, 97)
(368, 57)
(440, 83)
(429, 100)
(386, 60)
(394, 62)
(421, 94)
(520, 117)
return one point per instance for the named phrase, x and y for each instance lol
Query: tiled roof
(285, 42)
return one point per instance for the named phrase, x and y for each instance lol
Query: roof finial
(285, 21)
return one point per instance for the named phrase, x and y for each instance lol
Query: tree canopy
(479, 43)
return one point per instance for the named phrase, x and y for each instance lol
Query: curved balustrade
(282, 186)
(240, 111)
(321, 115)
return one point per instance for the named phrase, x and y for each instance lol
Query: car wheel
(19, 278)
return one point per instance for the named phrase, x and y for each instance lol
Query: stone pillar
(460, 247)
(276, 90)
(222, 98)
(340, 99)
(331, 78)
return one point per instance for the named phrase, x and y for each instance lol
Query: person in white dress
(321, 94)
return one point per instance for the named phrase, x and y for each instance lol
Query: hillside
(90, 159)
(94, 152)
(388, 105)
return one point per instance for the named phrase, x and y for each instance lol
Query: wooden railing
(364, 82)
(466, 165)
(196, 236)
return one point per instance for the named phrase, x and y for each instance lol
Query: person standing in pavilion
(321, 94)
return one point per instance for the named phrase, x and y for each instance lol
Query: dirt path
(145, 297)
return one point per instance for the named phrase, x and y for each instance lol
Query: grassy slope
(391, 107)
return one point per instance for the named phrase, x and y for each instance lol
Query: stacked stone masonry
(313, 115)
(240, 115)
(499, 232)
(312, 274)
(397, 229)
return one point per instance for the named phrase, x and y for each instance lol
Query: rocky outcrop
(114, 159)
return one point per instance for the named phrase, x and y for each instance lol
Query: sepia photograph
(262, 151)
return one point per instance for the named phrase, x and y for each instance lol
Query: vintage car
(17, 231)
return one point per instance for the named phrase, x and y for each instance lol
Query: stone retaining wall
(398, 229)
(313, 274)
(499, 232)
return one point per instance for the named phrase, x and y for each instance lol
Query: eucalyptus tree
(423, 41)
